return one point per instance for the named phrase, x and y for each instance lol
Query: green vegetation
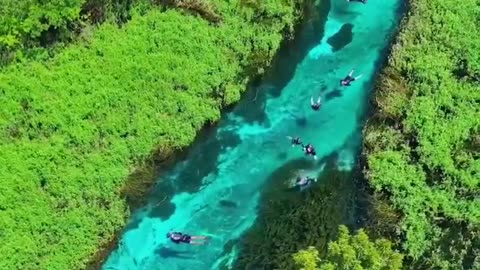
(352, 252)
(75, 126)
(36, 29)
(307, 259)
(423, 146)
(23, 21)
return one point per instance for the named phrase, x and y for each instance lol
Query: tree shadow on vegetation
(464, 71)
(459, 243)
(290, 220)
(202, 8)
(97, 11)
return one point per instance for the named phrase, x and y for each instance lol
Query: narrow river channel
(215, 191)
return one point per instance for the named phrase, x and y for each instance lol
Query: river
(216, 190)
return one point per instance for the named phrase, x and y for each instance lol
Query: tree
(308, 258)
(24, 21)
(352, 252)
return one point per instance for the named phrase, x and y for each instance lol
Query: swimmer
(361, 1)
(295, 141)
(316, 106)
(349, 79)
(178, 237)
(309, 150)
(304, 182)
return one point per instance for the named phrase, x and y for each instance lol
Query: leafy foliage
(34, 29)
(21, 20)
(75, 126)
(422, 147)
(352, 252)
(25, 25)
(308, 259)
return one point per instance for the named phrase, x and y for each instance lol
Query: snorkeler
(304, 182)
(361, 1)
(349, 79)
(178, 237)
(295, 141)
(309, 150)
(316, 106)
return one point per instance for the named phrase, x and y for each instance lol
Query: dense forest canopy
(423, 146)
(74, 126)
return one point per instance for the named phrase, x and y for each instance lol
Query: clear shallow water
(215, 190)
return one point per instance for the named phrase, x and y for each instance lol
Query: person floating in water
(361, 1)
(304, 182)
(309, 150)
(349, 79)
(178, 238)
(316, 105)
(295, 141)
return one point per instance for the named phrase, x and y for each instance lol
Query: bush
(352, 252)
(22, 20)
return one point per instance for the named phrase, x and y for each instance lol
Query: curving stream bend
(215, 190)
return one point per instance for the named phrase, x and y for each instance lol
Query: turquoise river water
(215, 190)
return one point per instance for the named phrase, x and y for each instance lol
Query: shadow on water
(228, 204)
(165, 252)
(290, 220)
(342, 38)
(202, 161)
(292, 52)
(287, 59)
(201, 156)
(337, 93)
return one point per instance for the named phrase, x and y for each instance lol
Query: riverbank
(76, 125)
(421, 145)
